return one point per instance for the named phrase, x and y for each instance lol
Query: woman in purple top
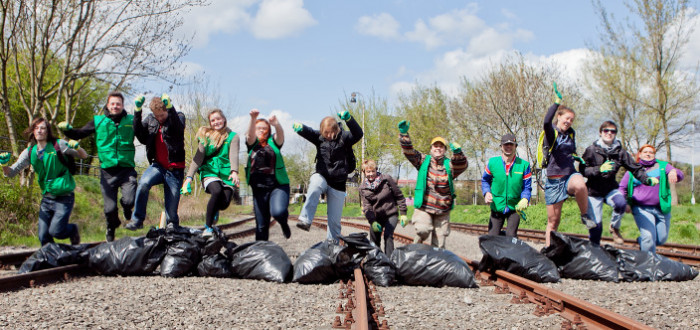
(651, 205)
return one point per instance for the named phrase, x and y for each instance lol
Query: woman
(562, 178)
(266, 175)
(333, 149)
(651, 205)
(604, 158)
(47, 158)
(382, 201)
(216, 161)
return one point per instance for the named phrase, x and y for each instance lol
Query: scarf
(373, 184)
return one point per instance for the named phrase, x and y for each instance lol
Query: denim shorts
(555, 189)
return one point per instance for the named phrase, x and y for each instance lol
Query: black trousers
(497, 220)
(111, 179)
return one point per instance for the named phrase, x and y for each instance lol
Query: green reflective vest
(280, 170)
(216, 161)
(53, 177)
(115, 143)
(422, 181)
(506, 187)
(664, 188)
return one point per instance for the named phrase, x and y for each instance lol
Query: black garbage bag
(578, 258)
(379, 268)
(516, 257)
(184, 251)
(215, 243)
(215, 265)
(325, 262)
(54, 255)
(128, 256)
(420, 264)
(636, 265)
(261, 260)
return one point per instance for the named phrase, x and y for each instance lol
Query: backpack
(543, 150)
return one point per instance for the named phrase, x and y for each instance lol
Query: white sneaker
(208, 231)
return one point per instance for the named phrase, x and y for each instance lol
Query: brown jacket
(384, 201)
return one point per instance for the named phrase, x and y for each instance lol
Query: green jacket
(422, 181)
(506, 189)
(216, 161)
(115, 143)
(53, 177)
(280, 170)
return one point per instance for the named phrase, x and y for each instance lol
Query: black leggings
(220, 200)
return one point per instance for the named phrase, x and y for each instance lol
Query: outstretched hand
(344, 115)
(273, 120)
(138, 102)
(556, 92)
(166, 100)
(5, 158)
(403, 126)
(297, 127)
(254, 113)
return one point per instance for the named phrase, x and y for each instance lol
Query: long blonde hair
(330, 123)
(207, 135)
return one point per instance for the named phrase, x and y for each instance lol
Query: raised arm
(413, 155)
(356, 132)
(250, 133)
(23, 161)
(279, 132)
(77, 133)
(459, 161)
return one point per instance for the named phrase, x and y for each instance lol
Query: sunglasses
(609, 130)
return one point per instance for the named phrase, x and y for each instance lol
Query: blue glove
(403, 126)
(166, 100)
(138, 102)
(344, 115)
(5, 158)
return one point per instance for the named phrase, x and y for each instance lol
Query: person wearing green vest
(434, 195)
(47, 156)
(266, 174)
(651, 205)
(216, 161)
(114, 138)
(507, 187)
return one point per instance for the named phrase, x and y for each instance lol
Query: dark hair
(605, 124)
(29, 132)
(116, 94)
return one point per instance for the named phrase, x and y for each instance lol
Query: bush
(20, 207)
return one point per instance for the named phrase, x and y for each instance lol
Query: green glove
(186, 189)
(73, 144)
(376, 227)
(166, 100)
(456, 148)
(522, 215)
(5, 158)
(64, 126)
(402, 219)
(522, 205)
(607, 166)
(403, 126)
(138, 102)
(556, 91)
(344, 115)
(579, 159)
(297, 127)
(652, 181)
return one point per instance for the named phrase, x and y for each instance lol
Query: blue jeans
(653, 226)
(335, 200)
(54, 213)
(266, 203)
(595, 211)
(172, 182)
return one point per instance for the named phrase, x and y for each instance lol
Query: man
(114, 137)
(434, 196)
(507, 187)
(163, 133)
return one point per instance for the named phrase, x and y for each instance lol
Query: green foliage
(19, 206)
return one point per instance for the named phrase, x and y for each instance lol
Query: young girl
(216, 160)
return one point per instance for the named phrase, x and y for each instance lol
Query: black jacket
(600, 184)
(146, 131)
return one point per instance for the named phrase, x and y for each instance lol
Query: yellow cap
(439, 139)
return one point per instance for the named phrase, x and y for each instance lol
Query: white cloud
(293, 143)
(281, 18)
(383, 25)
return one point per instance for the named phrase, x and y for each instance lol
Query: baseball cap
(508, 138)
(438, 139)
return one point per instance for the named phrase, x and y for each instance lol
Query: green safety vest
(506, 189)
(216, 161)
(280, 170)
(664, 188)
(115, 143)
(422, 181)
(53, 177)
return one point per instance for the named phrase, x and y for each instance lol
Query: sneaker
(75, 238)
(285, 230)
(303, 226)
(133, 225)
(208, 231)
(617, 237)
(109, 236)
(590, 224)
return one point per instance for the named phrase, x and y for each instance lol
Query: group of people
(506, 180)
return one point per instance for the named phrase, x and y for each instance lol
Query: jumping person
(434, 196)
(163, 133)
(562, 178)
(651, 205)
(114, 137)
(603, 159)
(47, 156)
(216, 161)
(507, 187)
(267, 175)
(382, 202)
(333, 146)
